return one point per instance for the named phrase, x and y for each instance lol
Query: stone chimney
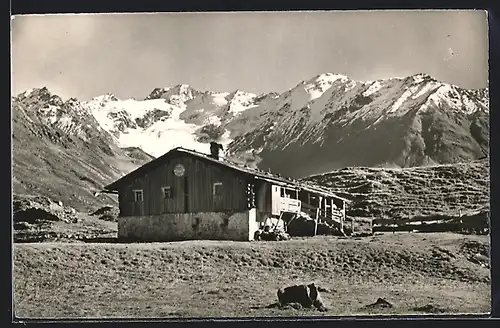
(215, 148)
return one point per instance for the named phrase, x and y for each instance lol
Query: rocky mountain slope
(60, 151)
(327, 122)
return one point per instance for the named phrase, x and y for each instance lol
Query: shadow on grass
(288, 306)
(107, 240)
(270, 306)
(116, 240)
(431, 308)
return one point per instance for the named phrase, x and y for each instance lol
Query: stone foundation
(239, 226)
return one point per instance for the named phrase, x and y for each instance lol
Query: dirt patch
(380, 303)
(471, 247)
(476, 252)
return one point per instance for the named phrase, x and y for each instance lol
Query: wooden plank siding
(200, 175)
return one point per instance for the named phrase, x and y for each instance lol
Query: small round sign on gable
(179, 170)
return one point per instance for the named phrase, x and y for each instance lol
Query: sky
(129, 55)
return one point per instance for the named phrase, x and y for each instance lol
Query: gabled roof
(257, 173)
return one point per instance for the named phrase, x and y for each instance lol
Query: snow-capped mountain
(171, 117)
(327, 122)
(331, 121)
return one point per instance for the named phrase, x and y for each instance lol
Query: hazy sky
(88, 55)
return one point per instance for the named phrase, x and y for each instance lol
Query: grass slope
(417, 273)
(403, 193)
(66, 175)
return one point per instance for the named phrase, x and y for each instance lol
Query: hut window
(138, 196)
(167, 192)
(287, 193)
(217, 189)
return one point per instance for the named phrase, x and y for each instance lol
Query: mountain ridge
(330, 120)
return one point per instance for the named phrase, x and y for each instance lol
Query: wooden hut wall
(193, 192)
